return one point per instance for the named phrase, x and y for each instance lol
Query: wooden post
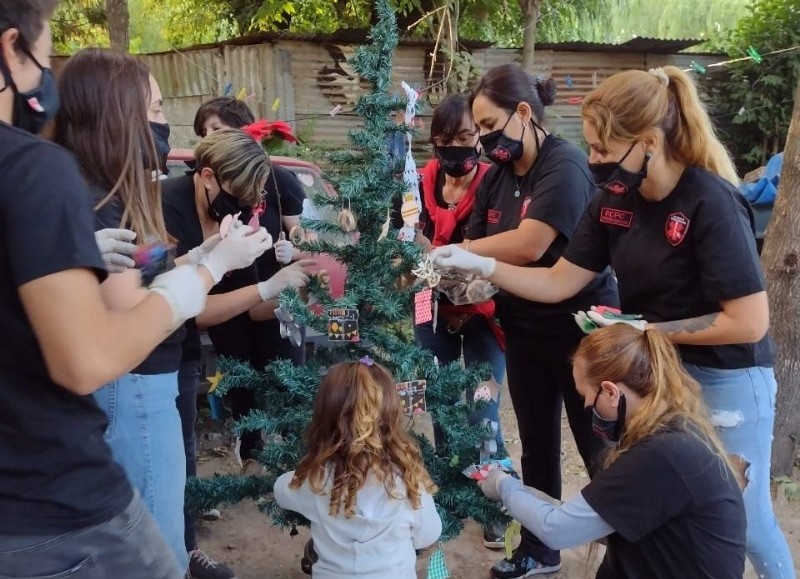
(781, 261)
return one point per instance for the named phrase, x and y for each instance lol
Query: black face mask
(617, 180)
(501, 148)
(33, 108)
(457, 161)
(610, 430)
(161, 138)
(224, 204)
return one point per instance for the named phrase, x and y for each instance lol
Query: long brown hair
(630, 103)
(102, 119)
(647, 363)
(357, 430)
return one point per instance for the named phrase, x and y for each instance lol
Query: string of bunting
(752, 54)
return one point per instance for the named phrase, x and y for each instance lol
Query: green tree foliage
(79, 23)
(752, 102)
(160, 24)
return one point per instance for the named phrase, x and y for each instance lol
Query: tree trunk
(781, 261)
(118, 18)
(530, 19)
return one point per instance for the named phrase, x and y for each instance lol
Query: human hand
(604, 316)
(294, 276)
(490, 486)
(184, 290)
(284, 250)
(196, 254)
(454, 257)
(240, 248)
(116, 248)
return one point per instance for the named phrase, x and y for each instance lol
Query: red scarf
(445, 223)
(444, 220)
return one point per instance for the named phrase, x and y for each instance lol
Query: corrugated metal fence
(302, 81)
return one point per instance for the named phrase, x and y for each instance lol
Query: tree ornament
(409, 210)
(346, 219)
(386, 225)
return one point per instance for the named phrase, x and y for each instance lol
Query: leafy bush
(752, 102)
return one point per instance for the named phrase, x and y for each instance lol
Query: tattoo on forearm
(690, 325)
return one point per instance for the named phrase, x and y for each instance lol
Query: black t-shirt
(56, 471)
(234, 337)
(284, 196)
(676, 509)
(678, 258)
(555, 191)
(240, 337)
(167, 356)
(180, 218)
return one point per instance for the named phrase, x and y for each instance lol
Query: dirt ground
(247, 541)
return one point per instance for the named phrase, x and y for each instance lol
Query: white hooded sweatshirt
(377, 542)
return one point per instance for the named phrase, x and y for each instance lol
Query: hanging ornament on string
(386, 225)
(346, 219)
(437, 566)
(410, 176)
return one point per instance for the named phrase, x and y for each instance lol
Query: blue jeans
(128, 546)
(742, 407)
(478, 344)
(144, 433)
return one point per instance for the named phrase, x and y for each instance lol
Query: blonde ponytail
(694, 140)
(649, 365)
(628, 104)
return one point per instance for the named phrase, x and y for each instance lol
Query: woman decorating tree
(667, 498)
(103, 119)
(526, 210)
(670, 221)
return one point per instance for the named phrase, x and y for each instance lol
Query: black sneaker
(201, 566)
(309, 557)
(521, 565)
(494, 536)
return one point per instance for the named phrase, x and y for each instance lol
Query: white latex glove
(116, 249)
(240, 248)
(295, 276)
(603, 320)
(490, 486)
(454, 257)
(196, 254)
(184, 290)
(284, 250)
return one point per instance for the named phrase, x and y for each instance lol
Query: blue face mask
(610, 430)
(33, 108)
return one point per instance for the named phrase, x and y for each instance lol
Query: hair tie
(367, 361)
(660, 75)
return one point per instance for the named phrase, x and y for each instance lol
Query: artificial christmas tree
(368, 187)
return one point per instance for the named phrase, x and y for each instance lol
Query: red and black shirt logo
(676, 228)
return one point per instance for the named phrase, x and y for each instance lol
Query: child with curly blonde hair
(362, 484)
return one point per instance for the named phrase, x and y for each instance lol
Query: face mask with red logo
(616, 179)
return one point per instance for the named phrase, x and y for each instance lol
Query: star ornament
(426, 272)
(214, 381)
